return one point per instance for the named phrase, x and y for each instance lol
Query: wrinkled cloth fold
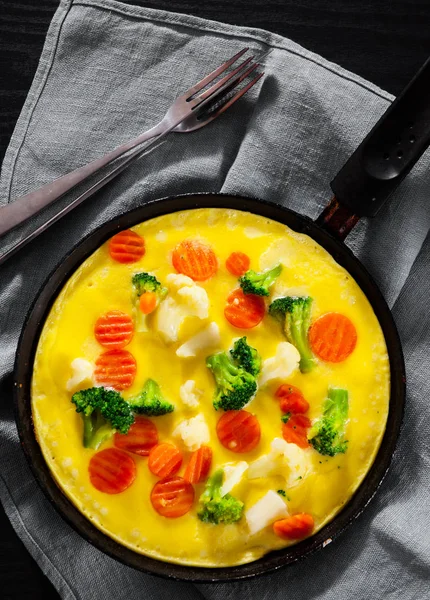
(109, 71)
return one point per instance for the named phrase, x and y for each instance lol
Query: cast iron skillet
(33, 327)
(361, 187)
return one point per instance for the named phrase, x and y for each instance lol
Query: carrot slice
(244, 310)
(295, 430)
(148, 302)
(140, 438)
(238, 263)
(238, 431)
(115, 369)
(164, 460)
(114, 329)
(291, 399)
(294, 527)
(332, 337)
(172, 497)
(195, 259)
(111, 471)
(198, 468)
(126, 247)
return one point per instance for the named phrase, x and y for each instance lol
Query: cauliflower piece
(82, 375)
(194, 296)
(209, 337)
(193, 432)
(287, 460)
(299, 460)
(232, 476)
(176, 281)
(265, 511)
(189, 394)
(186, 299)
(169, 318)
(265, 466)
(196, 299)
(280, 366)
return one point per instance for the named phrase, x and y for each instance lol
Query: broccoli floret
(145, 282)
(215, 508)
(327, 435)
(235, 386)
(294, 313)
(259, 283)
(150, 401)
(103, 412)
(247, 357)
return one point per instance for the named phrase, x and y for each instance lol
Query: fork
(190, 111)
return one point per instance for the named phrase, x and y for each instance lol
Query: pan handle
(337, 219)
(383, 159)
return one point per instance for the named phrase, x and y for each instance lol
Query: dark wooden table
(384, 41)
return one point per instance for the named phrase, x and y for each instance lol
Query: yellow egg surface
(101, 284)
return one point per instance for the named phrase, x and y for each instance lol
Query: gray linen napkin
(107, 72)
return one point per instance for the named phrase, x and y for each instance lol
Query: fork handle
(121, 166)
(23, 208)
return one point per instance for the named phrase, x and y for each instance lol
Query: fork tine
(220, 84)
(236, 97)
(204, 82)
(239, 79)
(218, 90)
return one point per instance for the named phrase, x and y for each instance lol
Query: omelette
(210, 386)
